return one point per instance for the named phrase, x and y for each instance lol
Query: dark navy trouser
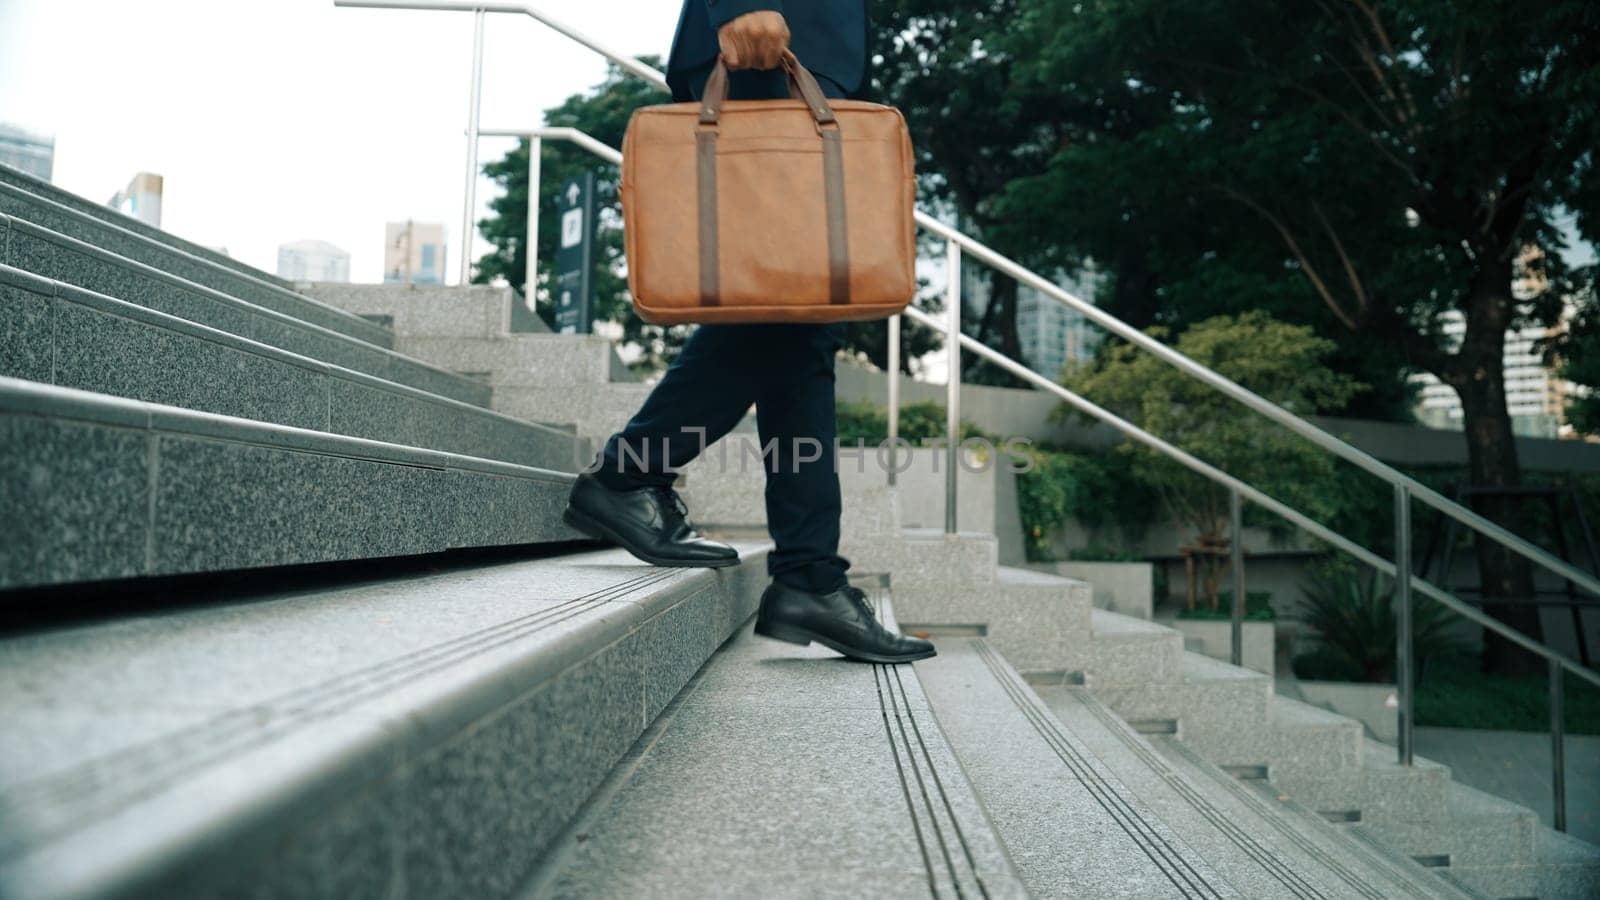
(787, 372)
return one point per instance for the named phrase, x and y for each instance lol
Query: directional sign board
(573, 288)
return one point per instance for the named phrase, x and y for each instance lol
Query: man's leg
(705, 392)
(795, 416)
(629, 498)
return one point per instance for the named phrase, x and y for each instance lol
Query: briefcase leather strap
(801, 86)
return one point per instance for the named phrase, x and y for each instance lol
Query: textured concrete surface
(266, 292)
(101, 487)
(786, 772)
(90, 341)
(94, 210)
(61, 258)
(436, 731)
(1072, 827)
(1265, 855)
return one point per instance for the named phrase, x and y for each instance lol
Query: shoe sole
(595, 529)
(791, 634)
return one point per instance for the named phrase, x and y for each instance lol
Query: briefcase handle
(801, 86)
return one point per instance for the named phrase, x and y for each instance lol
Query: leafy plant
(1353, 615)
(1284, 363)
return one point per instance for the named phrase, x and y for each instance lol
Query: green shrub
(1353, 617)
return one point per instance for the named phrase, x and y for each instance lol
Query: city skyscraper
(413, 253)
(29, 152)
(313, 260)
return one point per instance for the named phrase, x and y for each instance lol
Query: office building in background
(1051, 334)
(413, 253)
(140, 199)
(313, 260)
(1536, 394)
(29, 152)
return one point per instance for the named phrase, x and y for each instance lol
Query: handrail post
(1236, 514)
(952, 344)
(470, 200)
(1402, 612)
(1558, 756)
(531, 251)
(894, 398)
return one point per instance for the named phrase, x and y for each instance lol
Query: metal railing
(957, 244)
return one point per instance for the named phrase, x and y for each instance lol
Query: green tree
(603, 113)
(1393, 161)
(1284, 363)
(975, 127)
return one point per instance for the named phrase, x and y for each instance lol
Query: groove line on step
(1275, 815)
(944, 796)
(1263, 856)
(905, 787)
(67, 800)
(1154, 844)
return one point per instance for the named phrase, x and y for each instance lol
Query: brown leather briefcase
(795, 210)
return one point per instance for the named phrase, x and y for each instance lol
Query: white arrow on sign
(572, 195)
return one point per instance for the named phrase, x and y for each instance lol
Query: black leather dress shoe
(648, 522)
(840, 621)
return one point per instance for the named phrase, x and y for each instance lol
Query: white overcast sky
(277, 121)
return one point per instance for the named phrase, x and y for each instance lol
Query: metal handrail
(1405, 487)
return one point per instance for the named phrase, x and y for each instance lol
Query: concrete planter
(1367, 703)
(1214, 638)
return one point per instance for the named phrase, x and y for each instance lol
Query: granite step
(71, 337)
(1496, 848)
(786, 772)
(469, 330)
(433, 735)
(1040, 622)
(1379, 790)
(1072, 826)
(95, 487)
(1369, 871)
(46, 190)
(1129, 650)
(116, 237)
(1265, 855)
(68, 260)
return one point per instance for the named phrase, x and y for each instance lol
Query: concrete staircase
(193, 710)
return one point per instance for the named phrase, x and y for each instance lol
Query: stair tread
(126, 725)
(1108, 624)
(1199, 667)
(1073, 828)
(1288, 712)
(1017, 575)
(838, 781)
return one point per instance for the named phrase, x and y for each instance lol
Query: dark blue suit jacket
(829, 37)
